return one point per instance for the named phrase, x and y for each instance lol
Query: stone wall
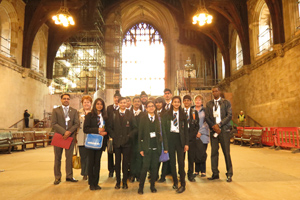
(18, 94)
(270, 93)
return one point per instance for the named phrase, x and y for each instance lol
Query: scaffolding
(113, 48)
(80, 62)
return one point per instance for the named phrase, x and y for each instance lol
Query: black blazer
(183, 129)
(91, 126)
(122, 133)
(226, 114)
(110, 109)
(144, 135)
(193, 124)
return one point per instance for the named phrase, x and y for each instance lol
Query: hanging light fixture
(63, 17)
(202, 16)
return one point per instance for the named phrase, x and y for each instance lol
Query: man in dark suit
(144, 99)
(136, 158)
(65, 121)
(218, 115)
(110, 110)
(193, 128)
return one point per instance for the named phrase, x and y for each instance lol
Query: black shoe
(229, 178)
(140, 191)
(131, 180)
(213, 177)
(192, 179)
(71, 180)
(161, 180)
(111, 174)
(153, 189)
(181, 189)
(175, 186)
(125, 186)
(57, 181)
(97, 187)
(203, 175)
(92, 187)
(117, 186)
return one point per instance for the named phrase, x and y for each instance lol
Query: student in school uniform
(94, 123)
(128, 105)
(110, 110)
(122, 128)
(193, 128)
(136, 158)
(175, 127)
(150, 145)
(160, 110)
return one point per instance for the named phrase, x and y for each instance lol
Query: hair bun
(117, 92)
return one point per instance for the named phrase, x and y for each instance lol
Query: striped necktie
(175, 122)
(151, 119)
(187, 115)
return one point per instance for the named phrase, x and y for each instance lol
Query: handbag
(164, 157)
(94, 141)
(110, 148)
(76, 159)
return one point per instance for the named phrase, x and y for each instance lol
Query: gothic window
(143, 61)
(5, 32)
(239, 53)
(265, 35)
(298, 15)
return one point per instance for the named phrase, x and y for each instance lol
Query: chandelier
(202, 16)
(63, 17)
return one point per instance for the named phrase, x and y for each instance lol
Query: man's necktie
(168, 106)
(66, 112)
(151, 119)
(175, 122)
(216, 105)
(122, 114)
(99, 121)
(187, 116)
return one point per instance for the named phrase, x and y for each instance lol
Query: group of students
(142, 133)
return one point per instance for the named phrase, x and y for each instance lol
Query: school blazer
(91, 127)
(122, 133)
(183, 129)
(59, 123)
(226, 114)
(144, 135)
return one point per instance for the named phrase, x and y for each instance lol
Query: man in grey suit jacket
(218, 115)
(65, 121)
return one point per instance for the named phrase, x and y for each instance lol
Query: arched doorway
(143, 61)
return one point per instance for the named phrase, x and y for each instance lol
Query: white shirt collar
(187, 110)
(121, 111)
(65, 107)
(217, 99)
(151, 116)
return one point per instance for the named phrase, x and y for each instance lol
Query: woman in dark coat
(94, 123)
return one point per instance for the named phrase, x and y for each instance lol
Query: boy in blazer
(65, 121)
(150, 145)
(218, 115)
(122, 128)
(175, 127)
(136, 158)
(193, 128)
(110, 156)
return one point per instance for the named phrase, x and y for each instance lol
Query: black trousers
(26, 122)
(136, 161)
(224, 140)
(191, 158)
(94, 157)
(150, 162)
(125, 151)
(175, 147)
(110, 162)
(201, 166)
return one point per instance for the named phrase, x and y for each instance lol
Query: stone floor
(259, 173)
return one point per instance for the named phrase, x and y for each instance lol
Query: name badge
(216, 114)
(152, 135)
(67, 119)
